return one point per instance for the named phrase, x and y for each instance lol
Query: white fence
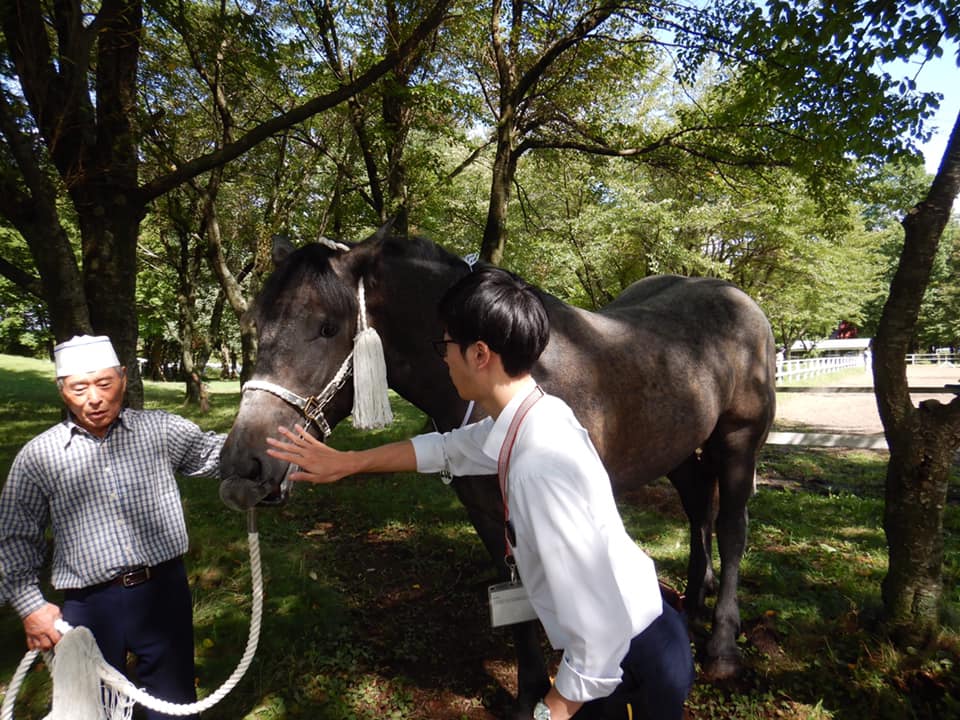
(940, 357)
(793, 370)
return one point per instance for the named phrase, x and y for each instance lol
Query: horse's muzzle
(243, 493)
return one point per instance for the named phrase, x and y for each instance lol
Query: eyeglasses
(441, 346)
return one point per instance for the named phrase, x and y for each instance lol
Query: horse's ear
(363, 257)
(385, 230)
(282, 247)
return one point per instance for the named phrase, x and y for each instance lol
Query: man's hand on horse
(318, 462)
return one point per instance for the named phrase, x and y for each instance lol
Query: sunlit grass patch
(835, 377)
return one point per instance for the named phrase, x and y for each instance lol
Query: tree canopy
(720, 111)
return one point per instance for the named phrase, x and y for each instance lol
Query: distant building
(831, 347)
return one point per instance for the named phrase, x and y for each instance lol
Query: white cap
(83, 354)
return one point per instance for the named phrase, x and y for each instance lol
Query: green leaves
(827, 66)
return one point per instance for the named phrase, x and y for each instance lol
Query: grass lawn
(376, 588)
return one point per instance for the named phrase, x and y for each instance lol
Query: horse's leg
(695, 482)
(734, 456)
(533, 681)
(481, 498)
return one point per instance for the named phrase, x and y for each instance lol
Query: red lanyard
(503, 462)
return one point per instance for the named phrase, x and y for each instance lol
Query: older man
(104, 481)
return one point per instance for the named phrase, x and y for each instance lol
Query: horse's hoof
(724, 667)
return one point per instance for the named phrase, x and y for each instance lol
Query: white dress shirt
(592, 587)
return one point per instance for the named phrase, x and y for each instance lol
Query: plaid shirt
(113, 503)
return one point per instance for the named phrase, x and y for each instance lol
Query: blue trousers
(154, 621)
(658, 673)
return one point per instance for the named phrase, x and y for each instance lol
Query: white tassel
(371, 403)
(76, 684)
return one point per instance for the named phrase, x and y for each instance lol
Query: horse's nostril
(248, 467)
(238, 495)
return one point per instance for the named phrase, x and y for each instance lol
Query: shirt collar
(74, 429)
(494, 441)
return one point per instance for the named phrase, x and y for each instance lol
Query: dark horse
(674, 378)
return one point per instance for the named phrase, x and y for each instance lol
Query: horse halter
(312, 406)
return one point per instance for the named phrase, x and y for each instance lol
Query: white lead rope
(120, 685)
(14, 688)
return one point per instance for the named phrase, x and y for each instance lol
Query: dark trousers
(658, 673)
(153, 620)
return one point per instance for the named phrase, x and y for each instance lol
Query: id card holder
(509, 604)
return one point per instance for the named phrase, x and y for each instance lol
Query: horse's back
(697, 300)
(654, 286)
(712, 320)
(661, 369)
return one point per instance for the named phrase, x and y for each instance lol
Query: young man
(103, 480)
(595, 592)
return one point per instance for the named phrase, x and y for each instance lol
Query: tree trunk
(110, 277)
(55, 262)
(916, 492)
(191, 344)
(396, 119)
(248, 348)
(396, 122)
(216, 344)
(231, 289)
(109, 281)
(32, 209)
(156, 356)
(922, 439)
(504, 169)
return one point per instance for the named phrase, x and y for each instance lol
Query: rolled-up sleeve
(459, 451)
(429, 451)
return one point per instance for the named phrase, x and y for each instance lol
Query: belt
(132, 578)
(129, 578)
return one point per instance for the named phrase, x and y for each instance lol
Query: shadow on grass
(368, 614)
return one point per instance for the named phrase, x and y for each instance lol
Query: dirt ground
(820, 410)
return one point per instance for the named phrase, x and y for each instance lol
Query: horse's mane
(417, 247)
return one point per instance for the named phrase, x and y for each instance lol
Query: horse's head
(306, 319)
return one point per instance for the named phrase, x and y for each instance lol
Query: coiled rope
(122, 688)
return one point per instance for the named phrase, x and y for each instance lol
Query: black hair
(502, 310)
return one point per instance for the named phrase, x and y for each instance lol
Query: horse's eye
(327, 329)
